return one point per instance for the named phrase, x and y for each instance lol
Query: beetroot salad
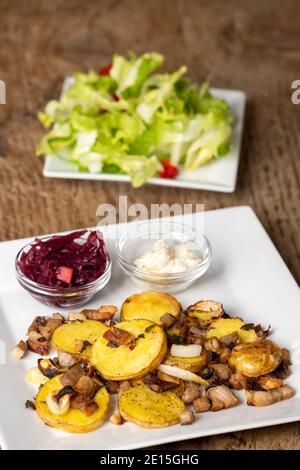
(64, 261)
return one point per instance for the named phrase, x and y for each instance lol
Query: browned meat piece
(76, 316)
(72, 375)
(112, 386)
(281, 372)
(158, 385)
(269, 383)
(191, 392)
(50, 326)
(286, 357)
(266, 398)
(85, 404)
(238, 381)
(45, 326)
(221, 397)
(168, 320)
(213, 345)
(39, 346)
(195, 331)
(230, 340)
(195, 335)
(260, 332)
(66, 359)
(87, 386)
(223, 371)
(201, 404)
(191, 339)
(105, 312)
(40, 331)
(119, 337)
(187, 417)
(19, 351)
(186, 324)
(38, 321)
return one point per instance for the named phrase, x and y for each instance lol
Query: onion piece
(181, 374)
(34, 376)
(188, 350)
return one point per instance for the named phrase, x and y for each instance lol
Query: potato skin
(194, 364)
(74, 421)
(256, 358)
(149, 409)
(64, 337)
(121, 363)
(202, 310)
(150, 305)
(226, 326)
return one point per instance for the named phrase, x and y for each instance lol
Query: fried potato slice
(122, 363)
(256, 358)
(142, 406)
(73, 420)
(70, 337)
(194, 364)
(150, 305)
(225, 326)
(205, 310)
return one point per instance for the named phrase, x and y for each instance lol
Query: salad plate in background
(129, 123)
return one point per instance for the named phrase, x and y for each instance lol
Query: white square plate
(247, 274)
(218, 175)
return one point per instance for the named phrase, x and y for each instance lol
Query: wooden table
(251, 45)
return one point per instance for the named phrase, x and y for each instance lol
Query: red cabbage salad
(65, 260)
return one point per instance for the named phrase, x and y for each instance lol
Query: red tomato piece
(170, 171)
(105, 70)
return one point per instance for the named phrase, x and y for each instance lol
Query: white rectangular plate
(247, 274)
(218, 175)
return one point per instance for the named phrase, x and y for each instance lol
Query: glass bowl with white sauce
(162, 255)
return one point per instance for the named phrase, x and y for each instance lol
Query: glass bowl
(62, 297)
(141, 237)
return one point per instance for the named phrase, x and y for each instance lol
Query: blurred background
(247, 45)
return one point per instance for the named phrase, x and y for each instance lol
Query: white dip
(167, 259)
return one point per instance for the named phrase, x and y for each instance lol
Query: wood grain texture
(251, 45)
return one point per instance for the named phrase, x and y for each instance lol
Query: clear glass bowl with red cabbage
(64, 270)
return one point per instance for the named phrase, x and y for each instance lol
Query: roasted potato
(226, 326)
(256, 358)
(194, 364)
(69, 336)
(122, 363)
(205, 310)
(150, 305)
(150, 409)
(73, 420)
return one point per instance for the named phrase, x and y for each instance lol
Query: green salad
(129, 119)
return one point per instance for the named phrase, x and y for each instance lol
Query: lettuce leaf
(127, 121)
(138, 167)
(131, 74)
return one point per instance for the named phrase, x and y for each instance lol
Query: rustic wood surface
(249, 45)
